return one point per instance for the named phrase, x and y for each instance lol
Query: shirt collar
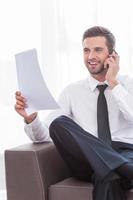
(93, 83)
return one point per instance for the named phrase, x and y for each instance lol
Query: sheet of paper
(32, 84)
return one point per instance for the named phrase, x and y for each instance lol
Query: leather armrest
(31, 169)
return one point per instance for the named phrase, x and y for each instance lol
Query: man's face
(95, 52)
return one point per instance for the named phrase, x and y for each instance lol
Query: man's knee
(56, 125)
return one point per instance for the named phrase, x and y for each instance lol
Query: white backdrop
(20, 26)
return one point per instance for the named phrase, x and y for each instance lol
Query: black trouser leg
(87, 155)
(73, 142)
(112, 190)
(126, 170)
(70, 152)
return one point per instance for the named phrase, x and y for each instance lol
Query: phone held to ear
(115, 52)
(110, 54)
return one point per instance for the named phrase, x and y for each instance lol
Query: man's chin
(98, 71)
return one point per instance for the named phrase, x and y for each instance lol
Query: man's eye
(98, 50)
(86, 50)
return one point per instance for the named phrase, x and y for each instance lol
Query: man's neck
(98, 77)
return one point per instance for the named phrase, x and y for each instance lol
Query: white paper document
(31, 82)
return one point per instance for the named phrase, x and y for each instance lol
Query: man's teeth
(93, 63)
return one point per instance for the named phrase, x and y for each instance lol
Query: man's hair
(101, 31)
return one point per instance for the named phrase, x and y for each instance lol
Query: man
(93, 129)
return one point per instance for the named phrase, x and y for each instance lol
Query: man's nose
(91, 55)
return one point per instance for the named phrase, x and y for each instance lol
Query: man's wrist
(30, 118)
(113, 83)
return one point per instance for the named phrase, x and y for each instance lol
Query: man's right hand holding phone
(112, 62)
(20, 108)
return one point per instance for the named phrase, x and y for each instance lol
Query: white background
(54, 28)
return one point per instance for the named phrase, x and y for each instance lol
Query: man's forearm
(30, 118)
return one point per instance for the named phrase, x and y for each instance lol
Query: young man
(93, 129)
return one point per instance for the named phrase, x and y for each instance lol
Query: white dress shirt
(79, 102)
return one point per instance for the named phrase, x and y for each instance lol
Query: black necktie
(102, 116)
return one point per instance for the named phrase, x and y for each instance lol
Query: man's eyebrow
(99, 48)
(85, 47)
(94, 48)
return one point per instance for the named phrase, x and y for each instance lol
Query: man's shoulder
(125, 79)
(77, 84)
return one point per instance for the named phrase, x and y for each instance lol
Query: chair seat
(73, 189)
(130, 195)
(35, 171)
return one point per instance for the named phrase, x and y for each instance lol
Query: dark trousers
(91, 159)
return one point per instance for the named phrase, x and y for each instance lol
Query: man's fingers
(19, 97)
(114, 56)
(17, 93)
(18, 107)
(21, 103)
(111, 59)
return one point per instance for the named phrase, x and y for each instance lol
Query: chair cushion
(71, 189)
(130, 195)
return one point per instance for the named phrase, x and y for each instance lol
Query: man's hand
(113, 67)
(20, 108)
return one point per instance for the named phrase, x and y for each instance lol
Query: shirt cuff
(35, 123)
(119, 92)
(35, 131)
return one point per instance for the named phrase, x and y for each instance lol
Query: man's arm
(113, 63)
(20, 108)
(124, 97)
(34, 128)
(122, 94)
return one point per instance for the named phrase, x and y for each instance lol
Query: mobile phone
(115, 51)
(112, 51)
(110, 54)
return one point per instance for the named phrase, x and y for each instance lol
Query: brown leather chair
(37, 172)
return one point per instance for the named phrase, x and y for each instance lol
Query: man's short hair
(101, 31)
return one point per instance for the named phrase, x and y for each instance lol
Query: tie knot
(101, 88)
